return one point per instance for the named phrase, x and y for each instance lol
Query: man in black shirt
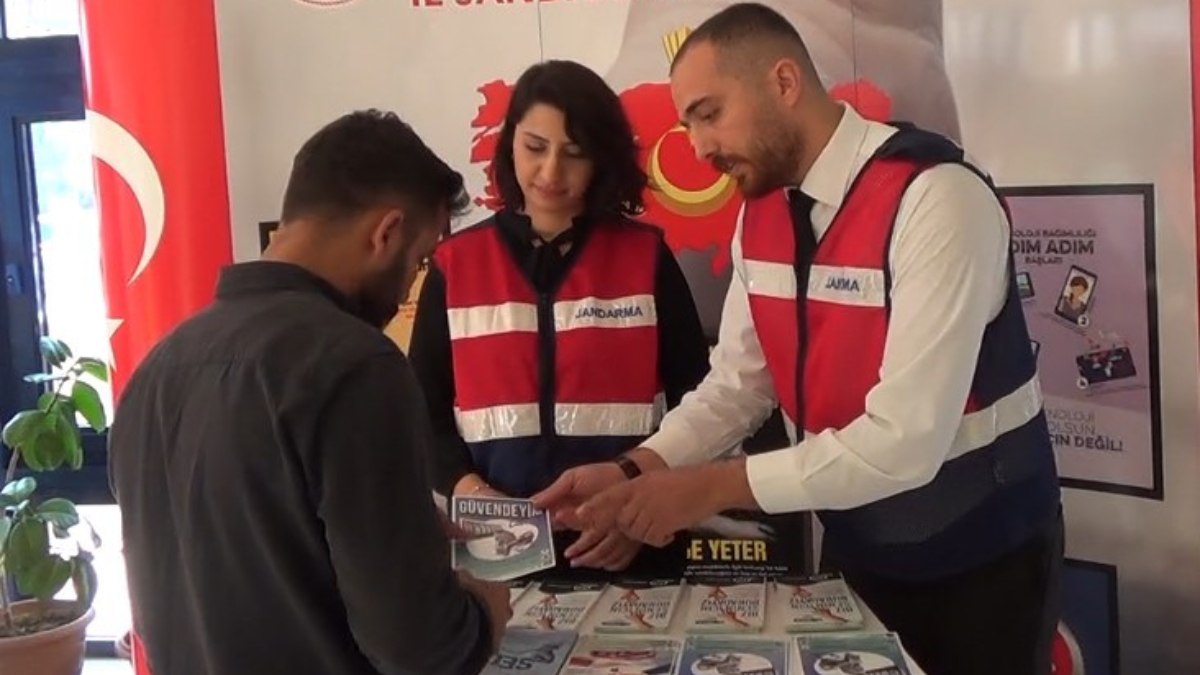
(270, 454)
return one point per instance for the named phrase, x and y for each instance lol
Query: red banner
(154, 105)
(154, 108)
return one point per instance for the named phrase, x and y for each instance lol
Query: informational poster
(738, 544)
(1086, 274)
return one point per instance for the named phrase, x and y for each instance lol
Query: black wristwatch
(630, 467)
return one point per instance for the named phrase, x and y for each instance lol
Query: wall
(1099, 91)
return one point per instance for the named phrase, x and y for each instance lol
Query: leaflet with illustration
(821, 602)
(506, 538)
(731, 655)
(859, 653)
(638, 606)
(531, 652)
(726, 606)
(622, 655)
(555, 605)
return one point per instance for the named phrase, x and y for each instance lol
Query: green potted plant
(44, 543)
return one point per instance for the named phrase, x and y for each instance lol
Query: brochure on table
(774, 627)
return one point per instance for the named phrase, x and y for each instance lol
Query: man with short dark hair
(874, 301)
(269, 455)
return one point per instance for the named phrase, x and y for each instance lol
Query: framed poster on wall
(1085, 266)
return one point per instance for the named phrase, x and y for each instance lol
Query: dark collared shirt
(270, 457)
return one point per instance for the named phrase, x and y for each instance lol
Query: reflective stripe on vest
(570, 419)
(521, 317)
(981, 428)
(603, 326)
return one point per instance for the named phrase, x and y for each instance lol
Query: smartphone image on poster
(1024, 285)
(1105, 365)
(1075, 300)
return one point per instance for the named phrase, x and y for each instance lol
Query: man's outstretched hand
(574, 487)
(653, 507)
(610, 550)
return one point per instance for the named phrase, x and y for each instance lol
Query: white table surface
(772, 628)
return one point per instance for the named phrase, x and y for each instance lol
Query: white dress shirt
(949, 257)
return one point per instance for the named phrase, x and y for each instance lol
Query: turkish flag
(154, 107)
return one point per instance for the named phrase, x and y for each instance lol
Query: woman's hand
(473, 485)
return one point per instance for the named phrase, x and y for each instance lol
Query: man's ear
(787, 77)
(387, 230)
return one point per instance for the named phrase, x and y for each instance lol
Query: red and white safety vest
(824, 347)
(547, 381)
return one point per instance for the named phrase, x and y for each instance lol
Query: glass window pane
(39, 18)
(69, 234)
(112, 591)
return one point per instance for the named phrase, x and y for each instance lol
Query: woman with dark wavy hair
(559, 330)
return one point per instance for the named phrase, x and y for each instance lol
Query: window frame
(41, 80)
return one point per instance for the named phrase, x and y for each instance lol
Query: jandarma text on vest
(625, 312)
(843, 284)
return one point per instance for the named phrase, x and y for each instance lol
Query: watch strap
(630, 467)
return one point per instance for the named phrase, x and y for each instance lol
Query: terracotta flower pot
(58, 651)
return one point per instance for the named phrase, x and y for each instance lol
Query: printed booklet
(506, 538)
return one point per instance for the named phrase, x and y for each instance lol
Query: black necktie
(806, 247)
(802, 225)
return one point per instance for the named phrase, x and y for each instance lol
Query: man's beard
(771, 164)
(380, 299)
